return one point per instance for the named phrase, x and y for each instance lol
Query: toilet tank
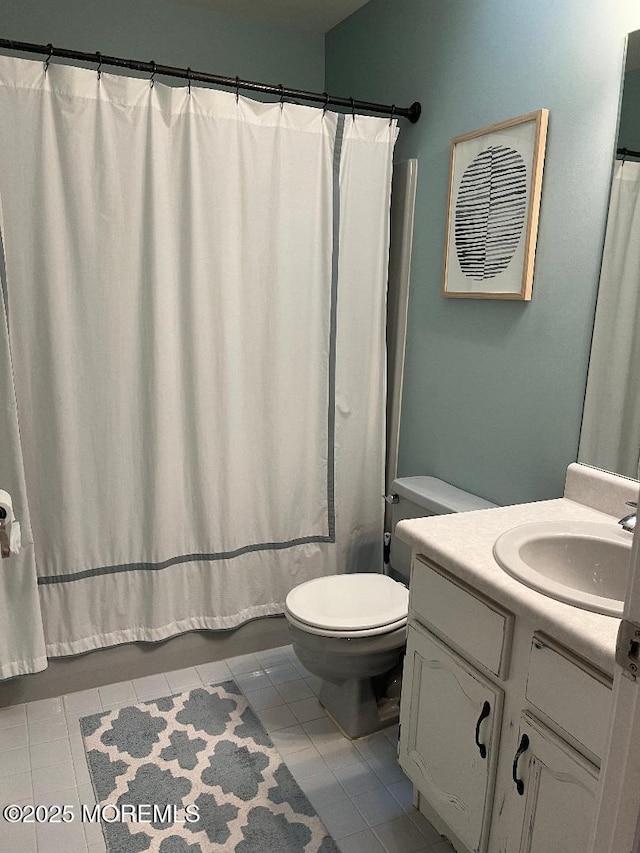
(417, 497)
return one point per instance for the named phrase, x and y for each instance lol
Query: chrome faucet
(629, 521)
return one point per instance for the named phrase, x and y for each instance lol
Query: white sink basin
(584, 563)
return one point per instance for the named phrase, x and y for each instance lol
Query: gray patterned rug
(194, 773)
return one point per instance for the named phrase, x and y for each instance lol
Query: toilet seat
(361, 604)
(351, 635)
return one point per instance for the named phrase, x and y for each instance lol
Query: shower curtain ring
(393, 112)
(281, 87)
(153, 74)
(237, 89)
(189, 80)
(99, 58)
(48, 59)
(326, 103)
(353, 115)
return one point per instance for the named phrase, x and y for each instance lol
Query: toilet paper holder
(5, 549)
(10, 537)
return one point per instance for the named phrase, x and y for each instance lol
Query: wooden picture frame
(495, 186)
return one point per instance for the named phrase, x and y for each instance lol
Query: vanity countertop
(462, 543)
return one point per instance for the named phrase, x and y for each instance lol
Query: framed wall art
(495, 185)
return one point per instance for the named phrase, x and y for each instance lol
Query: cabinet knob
(524, 746)
(486, 710)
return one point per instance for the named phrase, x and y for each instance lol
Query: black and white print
(490, 212)
(493, 209)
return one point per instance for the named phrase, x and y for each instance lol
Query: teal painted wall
(629, 134)
(493, 391)
(170, 33)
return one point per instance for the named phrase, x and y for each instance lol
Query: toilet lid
(349, 602)
(350, 635)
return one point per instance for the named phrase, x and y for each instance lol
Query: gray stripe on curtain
(331, 431)
(182, 558)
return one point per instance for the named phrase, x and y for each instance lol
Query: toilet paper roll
(15, 538)
(6, 504)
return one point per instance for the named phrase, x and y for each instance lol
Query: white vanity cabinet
(449, 735)
(549, 801)
(553, 798)
(502, 729)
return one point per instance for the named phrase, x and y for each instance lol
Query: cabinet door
(450, 724)
(553, 797)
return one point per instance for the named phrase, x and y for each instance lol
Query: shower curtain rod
(152, 68)
(627, 152)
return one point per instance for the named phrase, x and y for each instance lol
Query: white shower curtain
(610, 436)
(196, 293)
(22, 648)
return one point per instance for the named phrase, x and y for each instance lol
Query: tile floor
(357, 788)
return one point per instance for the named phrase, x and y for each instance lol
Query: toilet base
(361, 707)
(361, 677)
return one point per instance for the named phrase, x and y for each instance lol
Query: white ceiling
(313, 16)
(320, 16)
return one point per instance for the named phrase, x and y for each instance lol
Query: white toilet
(350, 629)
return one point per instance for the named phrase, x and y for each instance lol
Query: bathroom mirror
(610, 435)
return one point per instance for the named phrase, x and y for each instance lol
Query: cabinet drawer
(471, 623)
(570, 693)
